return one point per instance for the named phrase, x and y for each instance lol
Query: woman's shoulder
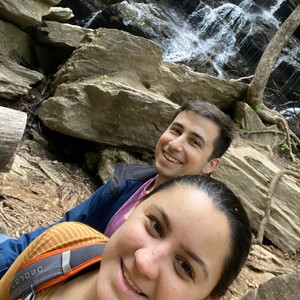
(72, 233)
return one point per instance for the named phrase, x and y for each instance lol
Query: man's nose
(149, 261)
(177, 143)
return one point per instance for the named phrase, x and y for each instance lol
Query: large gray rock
(107, 112)
(16, 44)
(60, 34)
(278, 288)
(247, 167)
(248, 172)
(25, 13)
(16, 80)
(139, 62)
(59, 14)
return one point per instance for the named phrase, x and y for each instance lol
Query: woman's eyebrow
(197, 259)
(190, 253)
(163, 215)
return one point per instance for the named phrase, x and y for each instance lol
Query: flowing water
(215, 33)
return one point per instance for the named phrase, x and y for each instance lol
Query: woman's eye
(195, 143)
(156, 226)
(185, 268)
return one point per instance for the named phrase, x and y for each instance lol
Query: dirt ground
(38, 190)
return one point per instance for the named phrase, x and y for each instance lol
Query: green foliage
(147, 157)
(256, 108)
(92, 160)
(284, 149)
(243, 131)
(114, 153)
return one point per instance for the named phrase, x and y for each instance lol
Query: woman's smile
(127, 286)
(130, 282)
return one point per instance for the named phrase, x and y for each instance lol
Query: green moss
(284, 149)
(147, 157)
(114, 153)
(92, 159)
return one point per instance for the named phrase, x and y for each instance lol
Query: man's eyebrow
(177, 124)
(190, 253)
(197, 135)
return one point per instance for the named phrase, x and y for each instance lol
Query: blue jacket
(96, 211)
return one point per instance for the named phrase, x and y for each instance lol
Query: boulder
(25, 13)
(59, 14)
(16, 80)
(248, 169)
(16, 44)
(108, 112)
(278, 288)
(60, 34)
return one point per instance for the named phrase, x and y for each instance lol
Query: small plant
(92, 160)
(114, 153)
(284, 149)
(147, 157)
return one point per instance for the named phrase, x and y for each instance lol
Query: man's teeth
(131, 283)
(171, 158)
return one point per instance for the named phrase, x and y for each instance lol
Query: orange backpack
(53, 267)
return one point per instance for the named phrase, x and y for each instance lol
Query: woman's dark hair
(213, 113)
(225, 201)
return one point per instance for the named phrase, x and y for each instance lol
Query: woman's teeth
(131, 283)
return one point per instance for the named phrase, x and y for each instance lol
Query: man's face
(185, 147)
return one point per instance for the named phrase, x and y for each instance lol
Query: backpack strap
(53, 267)
(124, 171)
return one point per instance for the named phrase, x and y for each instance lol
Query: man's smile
(171, 158)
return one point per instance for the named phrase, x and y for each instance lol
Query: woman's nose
(148, 261)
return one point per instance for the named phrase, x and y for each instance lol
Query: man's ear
(211, 166)
(126, 216)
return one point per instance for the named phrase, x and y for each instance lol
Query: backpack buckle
(31, 295)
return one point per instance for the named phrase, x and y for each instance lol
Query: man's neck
(158, 181)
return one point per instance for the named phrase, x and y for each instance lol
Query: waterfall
(276, 6)
(215, 32)
(92, 19)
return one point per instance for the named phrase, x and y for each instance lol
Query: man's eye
(156, 226)
(185, 268)
(175, 131)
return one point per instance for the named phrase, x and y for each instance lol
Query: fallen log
(12, 126)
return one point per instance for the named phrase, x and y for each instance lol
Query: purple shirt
(118, 218)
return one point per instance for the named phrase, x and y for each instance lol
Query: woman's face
(172, 246)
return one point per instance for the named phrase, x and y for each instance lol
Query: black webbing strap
(47, 268)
